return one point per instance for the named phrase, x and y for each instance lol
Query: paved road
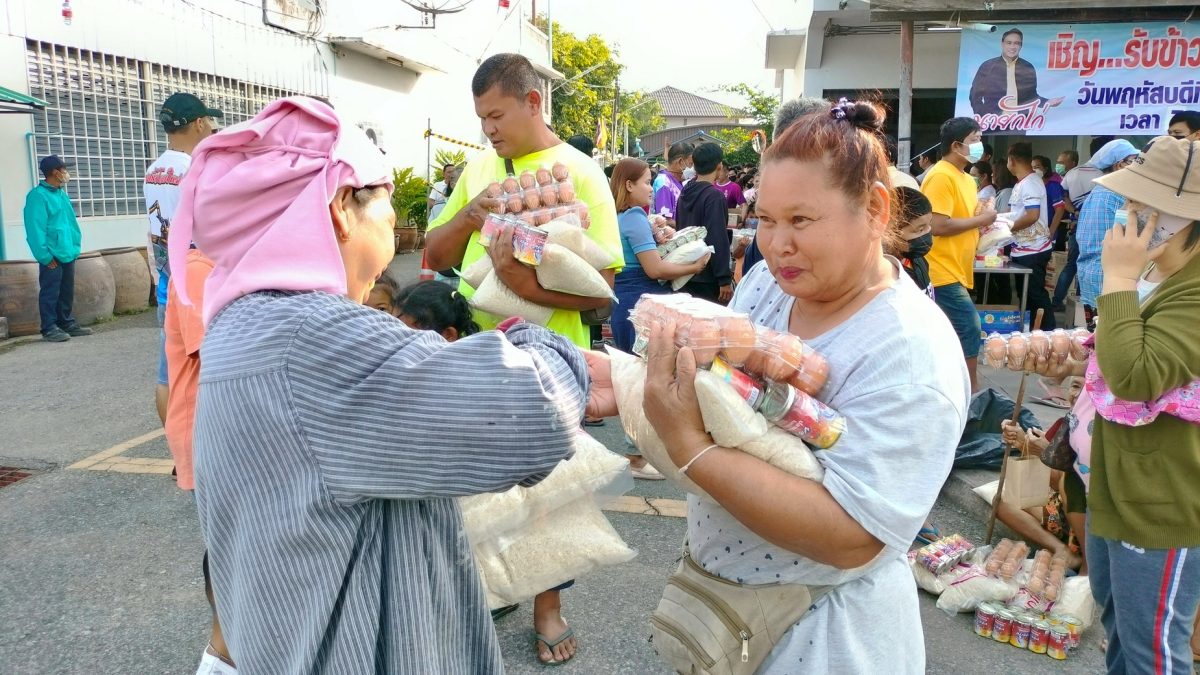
(100, 568)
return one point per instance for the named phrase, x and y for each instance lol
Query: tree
(442, 157)
(586, 95)
(735, 142)
(760, 105)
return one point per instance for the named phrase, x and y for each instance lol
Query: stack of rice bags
(542, 206)
(684, 247)
(528, 540)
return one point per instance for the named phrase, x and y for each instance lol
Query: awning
(385, 51)
(16, 102)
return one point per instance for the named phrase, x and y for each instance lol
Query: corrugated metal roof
(679, 103)
(655, 143)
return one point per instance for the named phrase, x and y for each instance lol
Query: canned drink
(1074, 629)
(1058, 643)
(1039, 637)
(1002, 626)
(802, 415)
(985, 618)
(1021, 628)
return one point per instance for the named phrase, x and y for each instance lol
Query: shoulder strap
(509, 168)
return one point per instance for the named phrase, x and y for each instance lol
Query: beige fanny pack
(706, 624)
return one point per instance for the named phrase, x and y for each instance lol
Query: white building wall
(227, 38)
(873, 62)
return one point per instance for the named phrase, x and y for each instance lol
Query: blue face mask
(975, 151)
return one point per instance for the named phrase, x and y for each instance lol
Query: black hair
(1193, 236)
(608, 171)
(512, 73)
(1072, 155)
(1099, 142)
(889, 145)
(435, 306)
(582, 143)
(1047, 165)
(955, 130)
(1022, 152)
(681, 150)
(706, 157)
(984, 168)
(1189, 117)
(911, 203)
(1013, 31)
(987, 149)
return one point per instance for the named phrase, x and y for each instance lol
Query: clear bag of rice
(477, 271)
(727, 417)
(591, 472)
(787, 452)
(564, 544)
(969, 585)
(565, 272)
(566, 231)
(926, 580)
(494, 297)
(686, 255)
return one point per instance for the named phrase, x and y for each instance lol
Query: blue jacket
(50, 225)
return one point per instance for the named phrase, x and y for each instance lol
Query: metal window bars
(103, 116)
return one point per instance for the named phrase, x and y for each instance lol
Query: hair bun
(861, 114)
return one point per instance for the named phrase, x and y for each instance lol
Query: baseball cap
(182, 108)
(51, 162)
(1165, 176)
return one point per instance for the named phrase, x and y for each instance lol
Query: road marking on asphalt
(106, 459)
(649, 506)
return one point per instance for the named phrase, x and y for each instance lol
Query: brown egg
(1051, 593)
(1036, 586)
(514, 204)
(527, 218)
(541, 217)
(704, 337)
(812, 374)
(1039, 344)
(543, 176)
(549, 195)
(510, 185)
(995, 350)
(559, 171)
(1018, 349)
(785, 353)
(494, 191)
(531, 199)
(526, 180)
(1078, 351)
(566, 192)
(739, 338)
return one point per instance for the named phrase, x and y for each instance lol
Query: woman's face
(364, 233)
(640, 190)
(817, 243)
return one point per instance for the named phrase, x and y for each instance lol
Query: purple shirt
(666, 193)
(733, 194)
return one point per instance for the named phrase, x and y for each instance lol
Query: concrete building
(687, 116)
(105, 69)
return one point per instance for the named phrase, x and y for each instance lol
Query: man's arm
(36, 220)
(1027, 219)
(447, 237)
(945, 226)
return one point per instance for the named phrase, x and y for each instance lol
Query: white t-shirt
(895, 360)
(1078, 183)
(987, 192)
(1030, 193)
(161, 190)
(438, 192)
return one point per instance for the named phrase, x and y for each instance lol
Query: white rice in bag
(787, 452)
(565, 272)
(564, 544)
(477, 271)
(727, 417)
(926, 580)
(568, 234)
(592, 472)
(1075, 599)
(686, 255)
(969, 585)
(494, 297)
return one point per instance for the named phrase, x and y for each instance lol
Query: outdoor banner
(1079, 79)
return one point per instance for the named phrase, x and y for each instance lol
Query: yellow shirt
(951, 192)
(591, 187)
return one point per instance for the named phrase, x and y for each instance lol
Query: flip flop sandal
(503, 611)
(928, 535)
(551, 644)
(593, 422)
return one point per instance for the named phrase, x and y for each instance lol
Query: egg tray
(1017, 351)
(685, 236)
(712, 330)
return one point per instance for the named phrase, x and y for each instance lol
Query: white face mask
(1040, 173)
(689, 173)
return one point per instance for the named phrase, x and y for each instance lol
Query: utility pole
(616, 109)
(904, 123)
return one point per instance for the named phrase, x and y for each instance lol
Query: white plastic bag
(1076, 600)
(565, 272)
(727, 417)
(969, 585)
(494, 297)
(686, 255)
(476, 272)
(592, 472)
(926, 580)
(565, 544)
(563, 232)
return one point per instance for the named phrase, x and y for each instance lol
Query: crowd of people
(294, 372)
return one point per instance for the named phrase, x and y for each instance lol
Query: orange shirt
(184, 328)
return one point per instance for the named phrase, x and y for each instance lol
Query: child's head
(435, 306)
(383, 295)
(915, 211)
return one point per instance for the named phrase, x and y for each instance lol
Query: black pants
(1039, 297)
(56, 296)
(705, 290)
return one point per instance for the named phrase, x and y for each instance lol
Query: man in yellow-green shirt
(951, 193)
(508, 101)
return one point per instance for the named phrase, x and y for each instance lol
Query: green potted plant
(408, 201)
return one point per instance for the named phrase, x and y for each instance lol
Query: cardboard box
(1074, 313)
(1058, 260)
(1001, 319)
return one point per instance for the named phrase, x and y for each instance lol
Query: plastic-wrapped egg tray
(1019, 351)
(537, 197)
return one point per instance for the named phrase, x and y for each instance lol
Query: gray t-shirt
(896, 373)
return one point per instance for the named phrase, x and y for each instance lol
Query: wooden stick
(1037, 324)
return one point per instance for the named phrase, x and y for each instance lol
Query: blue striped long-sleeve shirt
(326, 478)
(1095, 220)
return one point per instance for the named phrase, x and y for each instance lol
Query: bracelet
(684, 469)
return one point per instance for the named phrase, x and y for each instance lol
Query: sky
(692, 45)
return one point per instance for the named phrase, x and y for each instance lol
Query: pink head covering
(256, 201)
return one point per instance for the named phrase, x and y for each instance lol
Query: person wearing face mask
(981, 171)
(1097, 216)
(1144, 377)
(669, 183)
(915, 215)
(54, 239)
(1029, 215)
(1185, 124)
(1055, 203)
(954, 197)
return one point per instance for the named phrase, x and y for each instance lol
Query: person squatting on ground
(54, 239)
(827, 280)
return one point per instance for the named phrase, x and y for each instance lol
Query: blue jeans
(162, 377)
(56, 296)
(1067, 275)
(630, 285)
(1147, 599)
(956, 303)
